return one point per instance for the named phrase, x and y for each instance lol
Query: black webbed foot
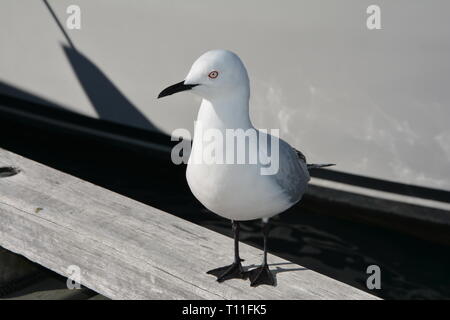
(261, 275)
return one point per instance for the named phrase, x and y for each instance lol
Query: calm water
(342, 249)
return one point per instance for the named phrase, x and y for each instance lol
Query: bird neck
(225, 113)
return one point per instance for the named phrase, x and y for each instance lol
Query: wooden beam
(128, 250)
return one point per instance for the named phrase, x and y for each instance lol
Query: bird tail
(319, 165)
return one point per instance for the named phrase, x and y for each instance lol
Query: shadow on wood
(128, 250)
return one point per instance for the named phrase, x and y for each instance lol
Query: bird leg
(235, 270)
(262, 274)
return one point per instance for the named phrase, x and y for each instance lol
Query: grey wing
(293, 175)
(300, 155)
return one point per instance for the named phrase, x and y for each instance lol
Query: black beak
(177, 87)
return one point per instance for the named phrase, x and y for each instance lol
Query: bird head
(215, 74)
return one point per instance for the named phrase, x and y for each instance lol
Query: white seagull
(238, 192)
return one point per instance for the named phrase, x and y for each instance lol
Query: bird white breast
(241, 191)
(236, 191)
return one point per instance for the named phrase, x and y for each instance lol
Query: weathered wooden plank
(128, 250)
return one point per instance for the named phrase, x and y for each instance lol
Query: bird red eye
(213, 74)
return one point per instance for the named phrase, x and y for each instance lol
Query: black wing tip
(320, 166)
